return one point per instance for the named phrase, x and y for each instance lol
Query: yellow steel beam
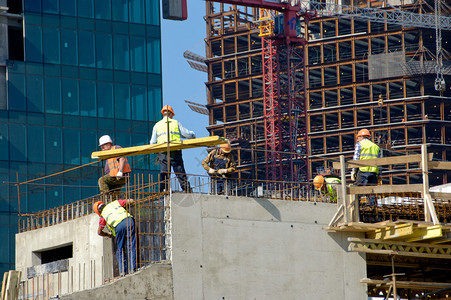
(426, 233)
(407, 233)
(155, 148)
(392, 232)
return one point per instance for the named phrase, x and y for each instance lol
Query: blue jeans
(126, 243)
(365, 178)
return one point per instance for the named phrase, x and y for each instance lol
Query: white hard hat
(105, 139)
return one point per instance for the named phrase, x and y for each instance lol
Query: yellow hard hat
(318, 182)
(226, 148)
(167, 108)
(364, 132)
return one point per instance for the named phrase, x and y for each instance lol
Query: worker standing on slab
(220, 164)
(117, 169)
(327, 186)
(122, 226)
(169, 129)
(365, 149)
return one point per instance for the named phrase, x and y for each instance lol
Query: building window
(17, 142)
(87, 93)
(138, 54)
(70, 97)
(33, 43)
(139, 103)
(137, 11)
(53, 151)
(86, 48)
(122, 101)
(50, 6)
(105, 100)
(104, 51)
(69, 48)
(85, 8)
(36, 139)
(121, 52)
(16, 92)
(103, 9)
(52, 94)
(153, 12)
(47, 256)
(35, 97)
(120, 10)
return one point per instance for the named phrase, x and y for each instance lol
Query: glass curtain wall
(91, 67)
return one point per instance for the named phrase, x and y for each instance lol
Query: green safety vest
(369, 151)
(161, 128)
(113, 214)
(331, 188)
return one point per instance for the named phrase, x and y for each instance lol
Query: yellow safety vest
(113, 165)
(161, 128)
(369, 151)
(113, 214)
(331, 188)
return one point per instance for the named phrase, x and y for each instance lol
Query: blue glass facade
(91, 67)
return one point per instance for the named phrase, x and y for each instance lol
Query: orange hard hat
(167, 108)
(318, 182)
(363, 132)
(95, 206)
(226, 148)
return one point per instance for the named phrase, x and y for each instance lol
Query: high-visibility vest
(331, 188)
(113, 165)
(113, 214)
(369, 151)
(162, 128)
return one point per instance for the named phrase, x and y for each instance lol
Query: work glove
(222, 171)
(379, 180)
(211, 171)
(353, 175)
(119, 174)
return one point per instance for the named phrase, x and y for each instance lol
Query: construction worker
(122, 226)
(366, 149)
(116, 169)
(327, 186)
(160, 135)
(220, 164)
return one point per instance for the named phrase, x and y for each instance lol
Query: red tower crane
(284, 93)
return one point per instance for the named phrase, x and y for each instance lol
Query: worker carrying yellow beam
(327, 186)
(116, 168)
(366, 149)
(161, 134)
(220, 164)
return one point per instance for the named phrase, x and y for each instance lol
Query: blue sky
(180, 81)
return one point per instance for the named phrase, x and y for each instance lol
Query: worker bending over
(160, 134)
(122, 226)
(365, 149)
(220, 164)
(327, 186)
(116, 168)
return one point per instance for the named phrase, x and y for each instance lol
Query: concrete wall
(153, 282)
(90, 253)
(224, 248)
(245, 248)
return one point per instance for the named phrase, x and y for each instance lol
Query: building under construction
(358, 74)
